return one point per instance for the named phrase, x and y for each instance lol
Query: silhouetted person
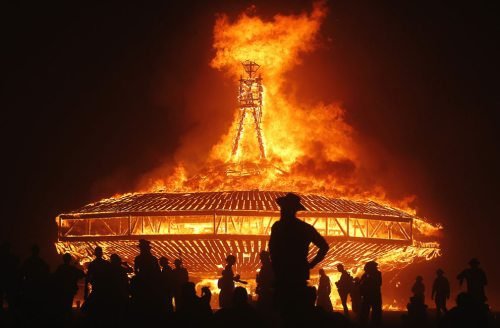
(65, 280)
(146, 264)
(239, 313)
(9, 282)
(344, 286)
(98, 276)
(418, 289)
(371, 296)
(119, 288)
(226, 282)
(193, 311)
(206, 296)
(289, 248)
(324, 291)
(265, 283)
(440, 292)
(316, 316)
(35, 278)
(166, 284)
(180, 277)
(476, 281)
(146, 292)
(356, 296)
(417, 310)
(467, 313)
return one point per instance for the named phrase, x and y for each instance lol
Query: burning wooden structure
(204, 227)
(229, 206)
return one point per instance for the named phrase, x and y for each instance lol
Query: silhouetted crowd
(153, 292)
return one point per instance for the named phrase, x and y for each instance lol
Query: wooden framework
(204, 227)
(369, 228)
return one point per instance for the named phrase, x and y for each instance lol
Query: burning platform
(204, 227)
(275, 143)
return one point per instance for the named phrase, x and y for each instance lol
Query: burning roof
(241, 201)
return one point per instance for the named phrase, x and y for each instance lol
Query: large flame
(310, 148)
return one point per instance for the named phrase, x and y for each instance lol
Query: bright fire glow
(309, 147)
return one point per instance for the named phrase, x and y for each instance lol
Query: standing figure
(371, 296)
(226, 283)
(324, 291)
(356, 296)
(417, 310)
(265, 283)
(146, 264)
(440, 292)
(180, 276)
(206, 296)
(146, 296)
(418, 290)
(476, 281)
(166, 284)
(289, 249)
(193, 311)
(98, 276)
(66, 279)
(344, 286)
(9, 281)
(119, 288)
(35, 274)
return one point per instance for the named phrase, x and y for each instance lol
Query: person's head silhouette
(98, 252)
(340, 267)
(66, 258)
(371, 266)
(231, 259)
(322, 272)
(474, 263)
(163, 262)
(419, 279)
(178, 263)
(115, 259)
(289, 205)
(144, 246)
(439, 272)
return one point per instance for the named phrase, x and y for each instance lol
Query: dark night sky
(94, 96)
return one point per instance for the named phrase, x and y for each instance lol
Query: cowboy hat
(290, 201)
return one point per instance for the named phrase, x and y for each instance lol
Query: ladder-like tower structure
(250, 102)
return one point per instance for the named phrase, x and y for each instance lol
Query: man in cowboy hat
(289, 247)
(476, 281)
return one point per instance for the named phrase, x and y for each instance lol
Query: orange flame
(309, 148)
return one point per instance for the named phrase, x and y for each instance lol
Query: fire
(309, 148)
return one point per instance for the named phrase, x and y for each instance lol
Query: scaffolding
(250, 103)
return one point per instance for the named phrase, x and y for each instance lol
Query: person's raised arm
(322, 245)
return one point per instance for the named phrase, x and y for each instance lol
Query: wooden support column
(215, 227)
(129, 225)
